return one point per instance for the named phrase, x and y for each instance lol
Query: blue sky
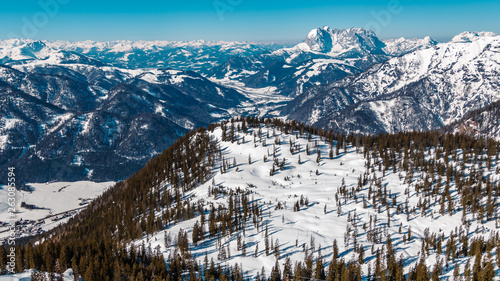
(257, 20)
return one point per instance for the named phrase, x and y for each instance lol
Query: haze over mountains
(101, 110)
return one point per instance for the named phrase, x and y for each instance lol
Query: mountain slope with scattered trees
(267, 199)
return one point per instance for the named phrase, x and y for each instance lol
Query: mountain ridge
(449, 80)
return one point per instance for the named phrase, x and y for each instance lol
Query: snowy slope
(402, 46)
(484, 122)
(471, 36)
(327, 216)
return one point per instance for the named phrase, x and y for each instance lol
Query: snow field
(50, 199)
(296, 230)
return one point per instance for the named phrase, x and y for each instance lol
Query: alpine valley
(341, 157)
(100, 110)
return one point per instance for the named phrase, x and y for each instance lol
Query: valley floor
(46, 206)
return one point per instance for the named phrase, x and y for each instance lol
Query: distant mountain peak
(354, 41)
(36, 46)
(319, 40)
(471, 36)
(401, 46)
(430, 40)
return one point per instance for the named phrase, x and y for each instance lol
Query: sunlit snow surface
(26, 276)
(49, 199)
(296, 228)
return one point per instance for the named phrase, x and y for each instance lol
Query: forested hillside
(264, 199)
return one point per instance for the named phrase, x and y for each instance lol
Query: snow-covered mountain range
(198, 56)
(78, 121)
(64, 105)
(422, 90)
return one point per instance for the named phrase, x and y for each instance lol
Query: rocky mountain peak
(352, 41)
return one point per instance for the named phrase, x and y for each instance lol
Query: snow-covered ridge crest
(401, 46)
(471, 36)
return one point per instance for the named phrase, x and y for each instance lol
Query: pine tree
(266, 241)
(275, 272)
(243, 249)
(89, 274)
(319, 272)
(456, 273)
(287, 269)
(276, 249)
(361, 257)
(488, 273)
